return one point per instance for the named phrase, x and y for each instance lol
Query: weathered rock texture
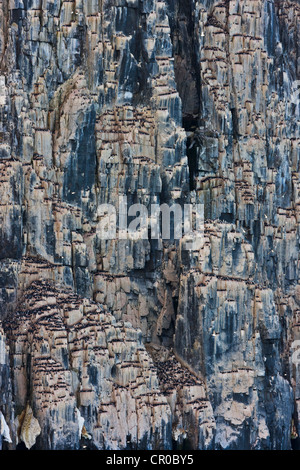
(142, 344)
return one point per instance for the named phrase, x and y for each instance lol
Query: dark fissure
(187, 74)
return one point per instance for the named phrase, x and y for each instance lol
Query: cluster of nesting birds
(172, 374)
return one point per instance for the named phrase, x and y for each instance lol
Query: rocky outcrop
(134, 342)
(5, 393)
(73, 360)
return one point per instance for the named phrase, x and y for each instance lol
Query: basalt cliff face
(144, 343)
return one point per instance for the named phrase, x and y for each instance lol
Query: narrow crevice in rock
(187, 75)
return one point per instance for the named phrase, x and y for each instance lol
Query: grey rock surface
(142, 343)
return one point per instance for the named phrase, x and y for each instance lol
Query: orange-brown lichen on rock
(28, 427)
